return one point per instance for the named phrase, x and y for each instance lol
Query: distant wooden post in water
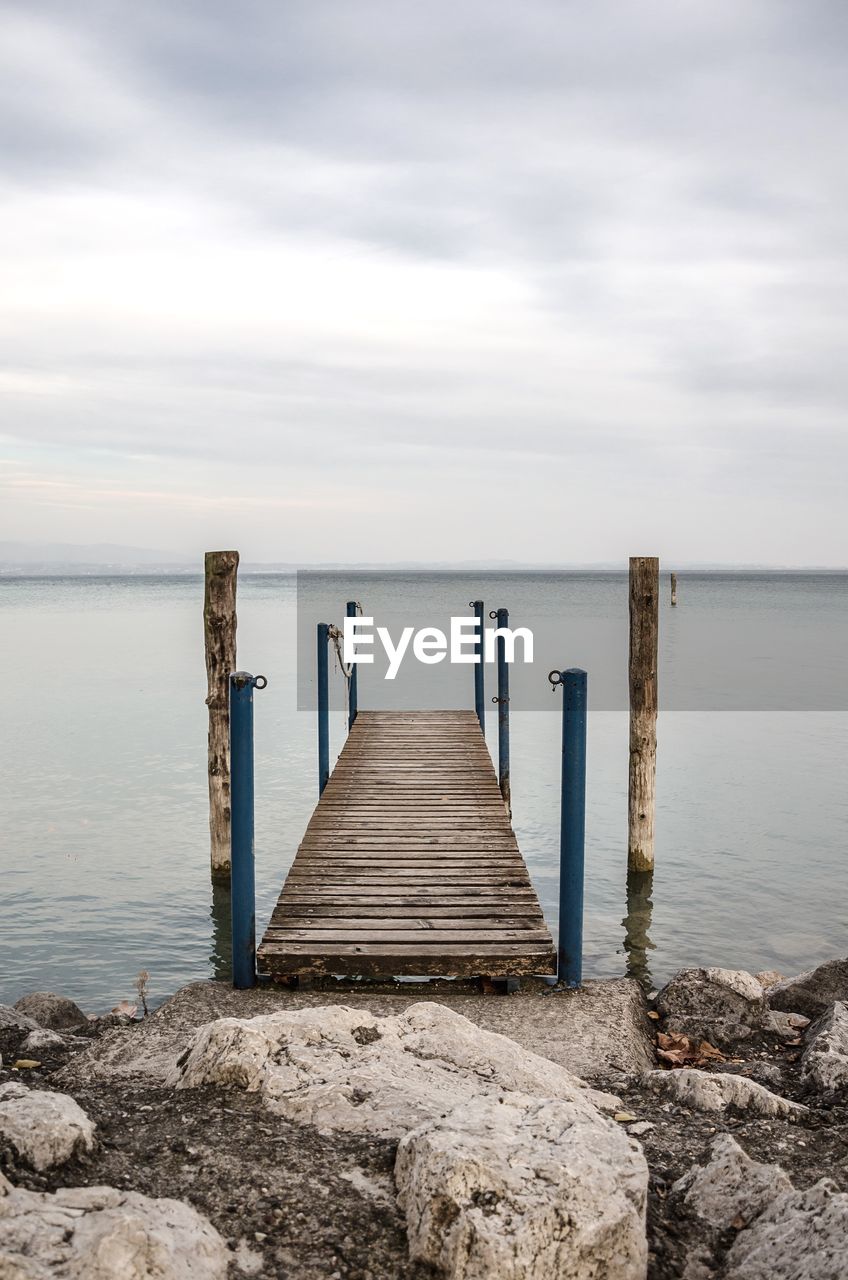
(674, 588)
(219, 630)
(644, 632)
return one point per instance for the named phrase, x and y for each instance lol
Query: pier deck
(409, 864)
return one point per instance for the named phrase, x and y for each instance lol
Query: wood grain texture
(219, 634)
(409, 865)
(644, 640)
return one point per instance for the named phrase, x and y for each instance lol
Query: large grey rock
(731, 1189)
(722, 1006)
(12, 1017)
(825, 1059)
(507, 1167)
(99, 1233)
(802, 1235)
(524, 1189)
(341, 1068)
(56, 1013)
(720, 1091)
(812, 993)
(600, 1032)
(44, 1129)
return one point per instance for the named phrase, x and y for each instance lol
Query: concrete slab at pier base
(600, 1033)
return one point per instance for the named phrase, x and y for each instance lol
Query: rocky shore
(355, 1134)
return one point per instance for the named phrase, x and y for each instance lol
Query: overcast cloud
(383, 279)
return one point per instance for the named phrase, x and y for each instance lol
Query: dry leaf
(678, 1050)
(624, 1117)
(652, 1013)
(25, 1064)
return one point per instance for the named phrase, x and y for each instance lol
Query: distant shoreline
(73, 569)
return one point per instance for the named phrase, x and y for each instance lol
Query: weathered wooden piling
(674, 588)
(219, 630)
(644, 635)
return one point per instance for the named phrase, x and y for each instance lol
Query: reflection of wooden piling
(637, 925)
(219, 627)
(674, 588)
(220, 915)
(644, 632)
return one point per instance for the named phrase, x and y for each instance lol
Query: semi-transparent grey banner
(744, 641)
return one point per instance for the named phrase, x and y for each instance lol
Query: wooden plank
(409, 864)
(342, 919)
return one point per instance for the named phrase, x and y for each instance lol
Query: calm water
(104, 840)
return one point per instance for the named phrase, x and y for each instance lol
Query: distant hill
(111, 557)
(41, 556)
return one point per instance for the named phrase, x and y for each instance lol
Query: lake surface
(104, 842)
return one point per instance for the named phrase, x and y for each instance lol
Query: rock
(57, 1013)
(721, 1091)
(599, 1032)
(698, 1265)
(99, 1233)
(731, 1189)
(115, 1018)
(802, 1235)
(45, 1129)
(812, 993)
(787, 1025)
(341, 1068)
(766, 1073)
(42, 1040)
(12, 1017)
(639, 1129)
(768, 978)
(722, 1006)
(506, 1167)
(524, 1189)
(825, 1059)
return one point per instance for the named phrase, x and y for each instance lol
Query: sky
(381, 280)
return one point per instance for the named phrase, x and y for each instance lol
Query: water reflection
(221, 956)
(637, 926)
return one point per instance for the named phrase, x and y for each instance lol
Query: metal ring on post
(555, 678)
(493, 613)
(260, 682)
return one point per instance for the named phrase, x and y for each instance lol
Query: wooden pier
(409, 865)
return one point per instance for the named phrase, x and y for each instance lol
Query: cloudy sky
(383, 279)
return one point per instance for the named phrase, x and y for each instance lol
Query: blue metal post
(323, 707)
(572, 824)
(242, 876)
(501, 616)
(479, 670)
(351, 684)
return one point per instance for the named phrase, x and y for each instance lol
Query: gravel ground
(298, 1205)
(812, 1147)
(292, 1203)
